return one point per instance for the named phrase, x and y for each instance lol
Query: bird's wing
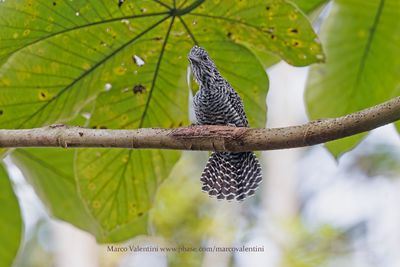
(237, 105)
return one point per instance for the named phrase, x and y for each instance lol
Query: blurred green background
(101, 65)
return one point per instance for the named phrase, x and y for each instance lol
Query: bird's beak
(194, 59)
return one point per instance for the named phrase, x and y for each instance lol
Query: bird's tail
(231, 175)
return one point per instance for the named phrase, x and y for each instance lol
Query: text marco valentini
(137, 248)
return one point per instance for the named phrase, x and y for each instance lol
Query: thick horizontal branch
(206, 137)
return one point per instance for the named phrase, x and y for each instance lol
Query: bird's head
(203, 67)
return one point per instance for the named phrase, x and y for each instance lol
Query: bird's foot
(193, 124)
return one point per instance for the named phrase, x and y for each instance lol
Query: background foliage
(94, 64)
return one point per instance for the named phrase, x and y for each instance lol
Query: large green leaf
(55, 57)
(263, 26)
(362, 46)
(51, 174)
(10, 223)
(64, 54)
(118, 185)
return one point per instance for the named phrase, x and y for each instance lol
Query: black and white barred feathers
(226, 175)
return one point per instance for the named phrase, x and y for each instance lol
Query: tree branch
(207, 137)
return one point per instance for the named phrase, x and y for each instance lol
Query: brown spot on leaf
(294, 30)
(43, 95)
(138, 89)
(1, 112)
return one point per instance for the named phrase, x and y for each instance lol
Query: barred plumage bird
(227, 175)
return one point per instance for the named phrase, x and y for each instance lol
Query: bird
(227, 175)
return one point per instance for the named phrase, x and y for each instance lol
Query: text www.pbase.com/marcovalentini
(183, 249)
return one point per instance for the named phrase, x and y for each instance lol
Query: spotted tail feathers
(231, 176)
